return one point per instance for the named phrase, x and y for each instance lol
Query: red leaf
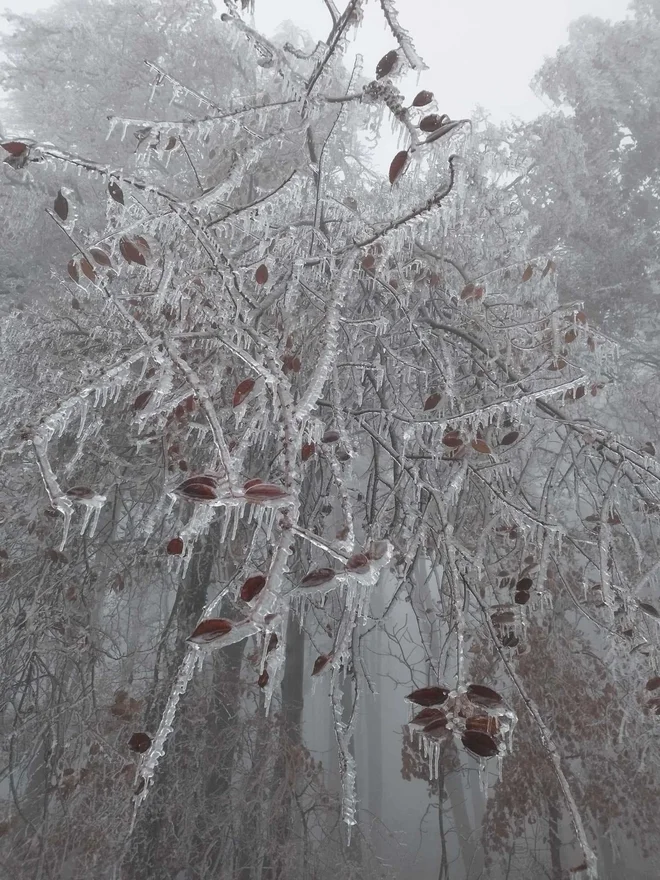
(368, 262)
(142, 400)
(452, 439)
(210, 629)
(72, 269)
(116, 193)
(422, 98)
(484, 696)
(272, 643)
(175, 546)
(317, 577)
(570, 336)
(429, 696)
(358, 563)
(196, 490)
(130, 252)
(481, 446)
(581, 317)
(509, 438)
(307, 451)
(61, 206)
(140, 743)
(320, 663)
(398, 165)
(87, 269)
(386, 64)
(653, 683)
(527, 274)
(253, 482)
(262, 681)
(427, 715)
(432, 401)
(330, 437)
(432, 122)
(521, 597)
(15, 148)
(470, 293)
(242, 391)
(437, 727)
(261, 275)
(265, 492)
(480, 744)
(252, 587)
(100, 256)
(204, 479)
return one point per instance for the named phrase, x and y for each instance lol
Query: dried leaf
(196, 490)
(261, 275)
(100, 256)
(432, 401)
(549, 267)
(262, 681)
(175, 546)
(171, 143)
(308, 449)
(570, 336)
(527, 274)
(87, 269)
(377, 549)
(252, 587)
(265, 492)
(320, 663)
(481, 744)
(452, 439)
(509, 438)
(429, 696)
(398, 165)
(472, 293)
(358, 563)
(72, 269)
(142, 400)
(653, 683)
(437, 727)
(521, 597)
(648, 609)
(386, 64)
(130, 252)
(15, 148)
(209, 630)
(484, 696)
(368, 262)
(61, 206)
(318, 577)
(116, 192)
(556, 365)
(480, 446)
(524, 584)
(253, 482)
(140, 743)
(331, 436)
(242, 391)
(422, 98)
(427, 715)
(432, 122)
(648, 448)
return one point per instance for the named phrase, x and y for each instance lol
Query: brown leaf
(422, 98)
(377, 549)
(484, 696)
(471, 293)
(330, 437)
(72, 269)
(262, 681)
(175, 546)
(87, 269)
(398, 165)
(581, 317)
(509, 438)
(521, 597)
(437, 727)
(272, 643)
(570, 336)
(116, 192)
(480, 446)
(432, 122)
(556, 365)
(130, 252)
(527, 274)
(265, 492)
(61, 206)
(80, 493)
(653, 683)
(432, 401)
(386, 64)
(142, 400)
(648, 448)
(368, 262)
(524, 584)
(253, 482)
(210, 629)
(481, 744)
(196, 490)
(140, 743)
(242, 391)
(171, 143)
(429, 696)
(648, 609)
(452, 439)
(252, 587)
(308, 449)
(549, 267)
(100, 256)
(317, 577)
(320, 663)
(358, 563)
(427, 715)
(261, 275)
(15, 148)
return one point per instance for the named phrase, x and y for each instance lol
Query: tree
(305, 385)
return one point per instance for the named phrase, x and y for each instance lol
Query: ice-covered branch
(401, 35)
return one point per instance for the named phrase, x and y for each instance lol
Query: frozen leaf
(317, 577)
(261, 275)
(262, 681)
(437, 727)
(649, 609)
(15, 148)
(368, 262)
(427, 715)
(72, 269)
(524, 584)
(480, 446)
(80, 493)
(648, 448)
(549, 267)
(521, 597)
(398, 165)
(307, 451)
(556, 365)
(509, 438)
(386, 64)
(331, 436)
(99, 256)
(432, 401)
(116, 193)
(209, 630)
(432, 122)
(452, 439)
(140, 743)
(253, 482)
(320, 663)
(197, 490)
(481, 744)
(61, 206)
(131, 252)
(484, 696)
(429, 696)
(242, 391)
(142, 400)
(570, 336)
(252, 587)
(581, 317)
(358, 563)
(265, 492)
(175, 546)
(87, 269)
(527, 274)
(377, 549)
(422, 98)
(171, 143)
(272, 643)
(472, 293)
(653, 683)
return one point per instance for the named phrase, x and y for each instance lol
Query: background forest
(329, 492)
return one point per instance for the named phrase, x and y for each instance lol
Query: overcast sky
(479, 51)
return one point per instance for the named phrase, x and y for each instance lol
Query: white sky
(479, 51)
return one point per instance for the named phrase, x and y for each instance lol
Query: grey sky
(479, 51)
